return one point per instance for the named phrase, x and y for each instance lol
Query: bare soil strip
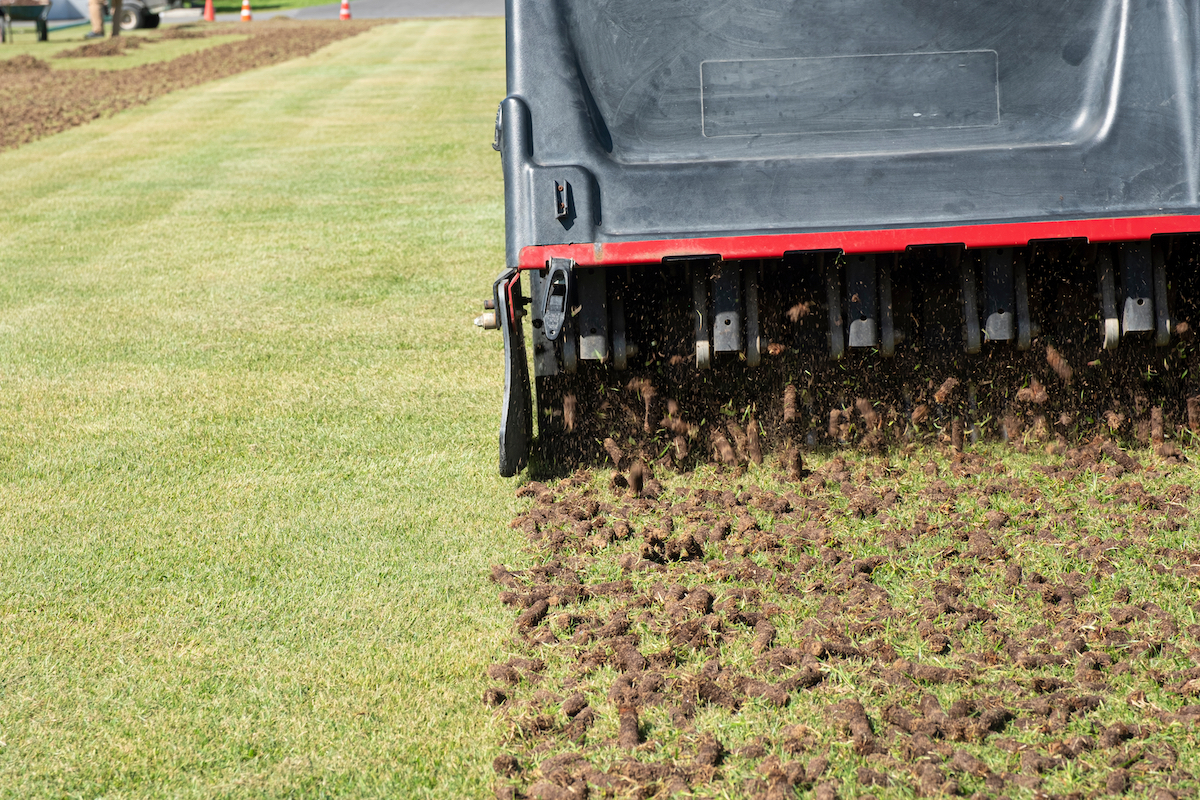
(37, 101)
(925, 623)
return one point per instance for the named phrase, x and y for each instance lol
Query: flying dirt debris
(716, 230)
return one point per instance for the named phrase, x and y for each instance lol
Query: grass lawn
(151, 51)
(248, 490)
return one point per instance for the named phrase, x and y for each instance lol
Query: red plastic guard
(732, 248)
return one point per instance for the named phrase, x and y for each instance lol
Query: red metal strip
(730, 248)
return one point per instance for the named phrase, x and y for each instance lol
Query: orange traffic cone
(246, 11)
(209, 16)
(345, 10)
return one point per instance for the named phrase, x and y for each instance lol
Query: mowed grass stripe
(247, 433)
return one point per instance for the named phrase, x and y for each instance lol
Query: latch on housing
(561, 206)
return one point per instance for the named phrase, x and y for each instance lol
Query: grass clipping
(923, 624)
(39, 101)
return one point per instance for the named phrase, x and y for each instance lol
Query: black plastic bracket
(555, 302)
(516, 415)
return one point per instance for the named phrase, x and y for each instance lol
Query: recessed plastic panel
(850, 94)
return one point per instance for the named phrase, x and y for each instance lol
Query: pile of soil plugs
(113, 46)
(925, 622)
(39, 101)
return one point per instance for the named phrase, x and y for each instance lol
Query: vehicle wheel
(152, 20)
(132, 16)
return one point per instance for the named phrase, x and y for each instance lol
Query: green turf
(247, 433)
(152, 49)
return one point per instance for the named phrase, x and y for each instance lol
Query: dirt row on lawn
(38, 101)
(919, 623)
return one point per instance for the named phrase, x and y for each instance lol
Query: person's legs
(116, 17)
(96, 12)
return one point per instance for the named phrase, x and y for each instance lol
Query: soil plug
(502, 576)
(798, 311)
(681, 448)
(675, 425)
(709, 752)
(648, 394)
(1193, 412)
(1156, 426)
(853, 718)
(789, 404)
(944, 392)
(871, 418)
(574, 704)
(825, 791)
(1167, 450)
(1119, 456)
(569, 408)
(764, 636)
(963, 761)
(794, 464)
(1117, 782)
(920, 414)
(628, 735)
(956, 435)
(723, 448)
(739, 439)
(533, 615)
(1059, 364)
(753, 445)
(545, 790)
(1010, 429)
(505, 765)
(637, 477)
(1033, 393)
(580, 724)
(835, 419)
(613, 451)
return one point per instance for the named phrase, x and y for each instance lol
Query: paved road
(363, 9)
(387, 9)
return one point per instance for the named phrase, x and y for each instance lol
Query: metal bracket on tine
(555, 303)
